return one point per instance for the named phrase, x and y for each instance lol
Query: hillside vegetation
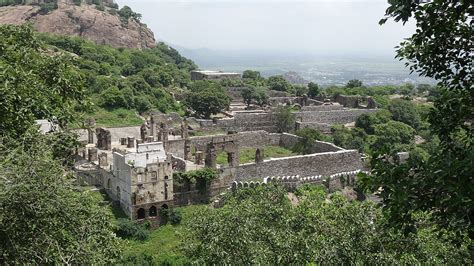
(136, 80)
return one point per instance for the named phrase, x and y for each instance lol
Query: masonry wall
(324, 164)
(115, 132)
(312, 108)
(333, 117)
(267, 121)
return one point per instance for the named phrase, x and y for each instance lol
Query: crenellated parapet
(291, 183)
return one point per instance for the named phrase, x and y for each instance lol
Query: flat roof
(215, 72)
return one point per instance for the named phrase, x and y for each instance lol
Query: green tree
(126, 13)
(278, 83)
(354, 83)
(248, 94)
(369, 120)
(44, 217)
(258, 95)
(299, 90)
(142, 104)
(34, 84)
(260, 226)
(350, 139)
(113, 98)
(284, 119)
(393, 136)
(251, 74)
(261, 96)
(313, 90)
(308, 138)
(206, 98)
(405, 111)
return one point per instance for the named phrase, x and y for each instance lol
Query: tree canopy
(261, 226)
(35, 82)
(206, 98)
(44, 217)
(441, 49)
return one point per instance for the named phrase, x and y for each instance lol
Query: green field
(116, 118)
(166, 241)
(247, 155)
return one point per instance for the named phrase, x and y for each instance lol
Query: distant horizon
(301, 27)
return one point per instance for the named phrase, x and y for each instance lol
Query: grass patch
(247, 155)
(116, 117)
(164, 242)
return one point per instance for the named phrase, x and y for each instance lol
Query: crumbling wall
(321, 127)
(328, 107)
(332, 117)
(325, 164)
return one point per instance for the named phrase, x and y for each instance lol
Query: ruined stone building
(213, 75)
(143, 180)
(138, 176)
(135, 165)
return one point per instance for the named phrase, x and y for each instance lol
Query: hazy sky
(299, 26)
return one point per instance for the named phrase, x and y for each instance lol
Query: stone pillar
(198, 158)
(138, 141)
(143, 132)
(130, 142)
(90, 123)
(160, 137)
(305, 100)
(92, 154)
(259, 155)
(232, 159)
(103, 160)
(152, 127)
(211, 156)
(164, 132)
(187, 149)
(104, 139)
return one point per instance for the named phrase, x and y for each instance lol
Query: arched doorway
(153, 211)
(141, 214)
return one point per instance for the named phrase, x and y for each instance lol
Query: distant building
(213, 75)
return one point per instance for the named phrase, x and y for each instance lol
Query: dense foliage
(35, 84)
(140, 80)
(44, 217)
(261, 226)
(284, 119)
(308, 137)
(128, 229)
(442, 185)
(206, 98)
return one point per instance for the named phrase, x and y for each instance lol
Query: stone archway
(152, 211)
(141, 214)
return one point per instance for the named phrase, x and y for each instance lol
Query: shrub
(174, 217)
(128, 229)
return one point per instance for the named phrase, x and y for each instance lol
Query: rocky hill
(99, 21)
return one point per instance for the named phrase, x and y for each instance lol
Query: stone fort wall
(246, 139)
(267, 121)
(325, 164)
